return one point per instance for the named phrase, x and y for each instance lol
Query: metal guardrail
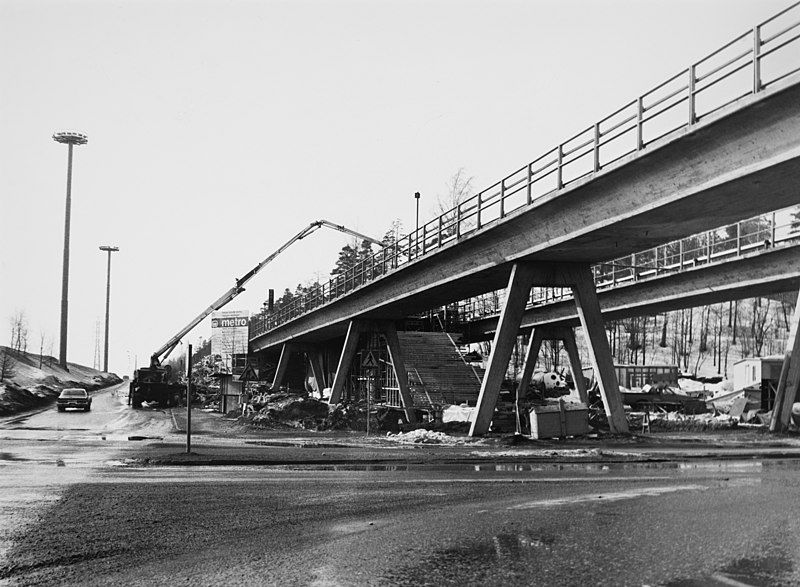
(728, 242)
(747, 65)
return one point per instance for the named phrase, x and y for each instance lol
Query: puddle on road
(7, 456)
(539, 467)
(509, 556)
(517, 557)
(775, 568)
(297, 444)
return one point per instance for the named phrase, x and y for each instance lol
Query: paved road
(72, 512)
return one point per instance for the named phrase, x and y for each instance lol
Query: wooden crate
(556, 421)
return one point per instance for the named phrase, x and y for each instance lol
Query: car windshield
(74, 393)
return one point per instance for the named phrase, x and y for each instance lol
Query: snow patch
(424, 437)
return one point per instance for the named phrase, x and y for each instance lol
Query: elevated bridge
(714, 144)
(758, 257)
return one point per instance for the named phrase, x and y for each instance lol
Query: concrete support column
(583, 289)
(531, 356)
(283, 363)
(519, 287)
(349, 349)
(398, 364)
(786, 393)
(565, 335)
(571, 346)
(315, 359)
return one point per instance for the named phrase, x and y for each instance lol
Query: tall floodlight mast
(70, 139)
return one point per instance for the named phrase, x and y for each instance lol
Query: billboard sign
(229, 334)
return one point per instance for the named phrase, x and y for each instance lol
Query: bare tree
(19, 332)
(50, 344)
(459, 189)
(760, 324)
(42, 337)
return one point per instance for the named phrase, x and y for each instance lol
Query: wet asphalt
(82, 504)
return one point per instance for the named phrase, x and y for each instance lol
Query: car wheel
(87, 408)
(60, 409)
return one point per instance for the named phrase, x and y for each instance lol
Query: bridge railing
(743, 238)
(747, 65)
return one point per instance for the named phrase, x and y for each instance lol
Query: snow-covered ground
(27, 384)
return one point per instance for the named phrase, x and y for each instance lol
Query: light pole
(70, 139)
(109, 250)
(416, 232)
(416, 197)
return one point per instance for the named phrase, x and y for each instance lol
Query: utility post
(189, 402)
(416, 232)
(70, 139)
(109, 250)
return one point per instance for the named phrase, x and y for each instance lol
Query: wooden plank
(400, 373)
(283, 363)
(790, 377)
(571, 346)
(517, 292)
(349, 349)
(599, 351)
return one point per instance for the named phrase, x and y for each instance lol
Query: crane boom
(163, 352)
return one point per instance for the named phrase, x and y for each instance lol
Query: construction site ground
(224, 441)
(158, 437)
(257, 506)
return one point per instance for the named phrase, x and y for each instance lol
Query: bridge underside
(763, 274)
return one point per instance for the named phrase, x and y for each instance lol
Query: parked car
(74, 397)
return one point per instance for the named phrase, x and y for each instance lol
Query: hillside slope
(27, 386)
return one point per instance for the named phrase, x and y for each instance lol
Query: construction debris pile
(725, 410)
(298, 410)
(288, 410)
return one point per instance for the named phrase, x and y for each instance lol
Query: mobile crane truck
(152, 383)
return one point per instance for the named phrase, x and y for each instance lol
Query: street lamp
(416, 232)
(416, 197)
(109, 250)
(70, 139)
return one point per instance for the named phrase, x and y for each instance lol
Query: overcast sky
(218, 129)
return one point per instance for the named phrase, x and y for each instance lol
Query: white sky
(218, 129)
